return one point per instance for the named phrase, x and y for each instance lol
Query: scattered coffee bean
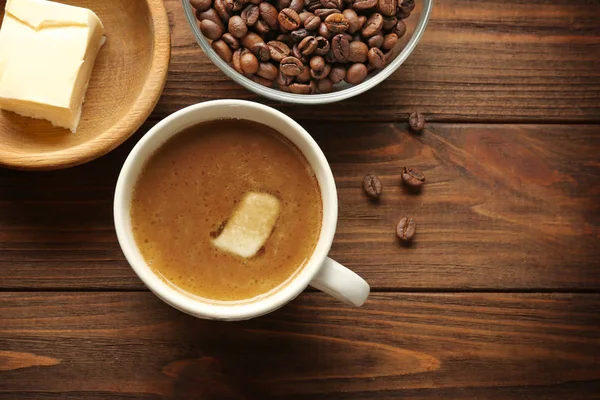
(412, 177)
(318, 43)
(372, 186)
(416, 120)
(406, 228)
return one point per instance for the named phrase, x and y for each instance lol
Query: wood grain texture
(479, 60)
(399, 346)
(504, 207)
(126, 83)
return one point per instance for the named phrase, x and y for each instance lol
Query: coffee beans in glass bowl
(308, 51)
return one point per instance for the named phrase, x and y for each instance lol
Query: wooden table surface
(498, 298)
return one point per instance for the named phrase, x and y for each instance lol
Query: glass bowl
(415, 26)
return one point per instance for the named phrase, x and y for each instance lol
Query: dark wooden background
(498, 298)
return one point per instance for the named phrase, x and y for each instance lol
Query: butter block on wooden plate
(47, 53)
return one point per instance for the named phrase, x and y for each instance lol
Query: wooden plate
(127, 80)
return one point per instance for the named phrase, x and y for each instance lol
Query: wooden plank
(417, 346)
(479, 60)
(504, 207)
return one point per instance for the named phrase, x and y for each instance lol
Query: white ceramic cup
(320, 272)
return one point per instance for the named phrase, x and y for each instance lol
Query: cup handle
(341, 283)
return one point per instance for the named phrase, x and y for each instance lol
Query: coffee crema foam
(191, 186)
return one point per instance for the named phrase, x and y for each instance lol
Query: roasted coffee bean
(297, 5)
(211, 15)
(308, 45)
(416, 121)
(362, 20)
(288, 19)
(337, 74)
(336, 23)
(285, 38)
(299, 34)
(375, 41)
(330, 57)
(314, 5)
(406, 228)
(373, 25)
(324, 73)
(255, 2)
(356, 38)
(323, 13)
(269, 14)
(322, 46)
(261, 51)
(400, 29)
(235, 5)
(303, 15)
(304, 77)
(312, 22)
(222, 49)
(358, 52)
(237, 27)
(210, 29)
(356, 74)
(324, 32)
(267, 71)
(231, 41)
(281, 4)
(377, 58)
(278, 50)
(236, 61)
(352, 19)
(372, 186)
(406, 6)
(317, 63)
(412, 177)
(284, 80)
(389, 23)
(389, 41)
(341, 48)
(222, 10)
(249, 63)
(261, 27)
(301, 88)
(325, 85)
(386, 7)
(291, 66)
(402, 14)
(251, 39)
(296, 53)
(332, 4)
(262, 81)
(201, 5)
(250, 14)
(364, 4)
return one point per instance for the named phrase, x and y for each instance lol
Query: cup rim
(176, 297)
